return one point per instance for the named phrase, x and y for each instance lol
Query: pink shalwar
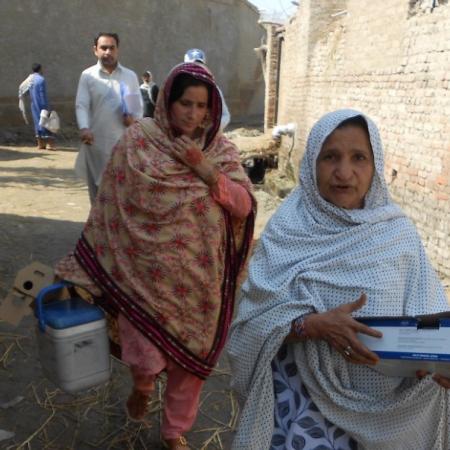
(146, 361)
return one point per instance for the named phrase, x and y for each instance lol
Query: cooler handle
(40, 300)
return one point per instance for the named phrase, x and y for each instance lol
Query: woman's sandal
(137, 405)
(179, 443)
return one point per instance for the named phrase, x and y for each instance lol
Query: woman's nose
(344, 170)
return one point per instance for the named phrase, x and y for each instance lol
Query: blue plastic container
(72, 341)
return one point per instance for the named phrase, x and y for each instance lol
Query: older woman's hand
(440, 379)
(340, 329)
(188, 152)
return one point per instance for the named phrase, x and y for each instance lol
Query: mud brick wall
(390, 60)
(154, 36)
(272, 59)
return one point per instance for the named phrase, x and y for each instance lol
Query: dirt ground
(42, 211)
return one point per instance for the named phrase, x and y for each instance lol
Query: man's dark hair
(115, 36)
(182, 82)
(36, 67)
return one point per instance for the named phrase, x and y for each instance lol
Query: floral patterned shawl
(161, 250)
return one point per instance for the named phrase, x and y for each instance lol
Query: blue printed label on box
(407, 346)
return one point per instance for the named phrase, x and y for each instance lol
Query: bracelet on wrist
(298, 326)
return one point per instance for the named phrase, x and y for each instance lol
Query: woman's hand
(440, 379)
(339, 329)
(188, 152)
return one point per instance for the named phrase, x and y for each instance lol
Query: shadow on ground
(8, 154)
(48, 177)
(25, 239)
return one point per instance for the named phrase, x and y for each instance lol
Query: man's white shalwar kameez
(100, 107)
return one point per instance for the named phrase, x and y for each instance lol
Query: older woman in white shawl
(338, 247)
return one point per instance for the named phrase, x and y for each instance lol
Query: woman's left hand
(440, 379)
(187, 151)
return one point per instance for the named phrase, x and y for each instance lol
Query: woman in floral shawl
(165, 243)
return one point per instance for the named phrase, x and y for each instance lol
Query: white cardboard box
(410, 344)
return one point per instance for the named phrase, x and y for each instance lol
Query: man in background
(149, 92)
(36, 86)
(108, 100)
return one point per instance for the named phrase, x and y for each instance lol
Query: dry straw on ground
(96, 419)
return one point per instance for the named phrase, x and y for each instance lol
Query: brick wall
(272, 58)
(390, 60)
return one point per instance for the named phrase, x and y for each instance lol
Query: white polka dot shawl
(314, 256)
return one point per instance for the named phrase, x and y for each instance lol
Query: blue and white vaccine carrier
(72, 341)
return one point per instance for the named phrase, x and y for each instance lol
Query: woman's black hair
(182, 82)
(357, 121)
(36, 67)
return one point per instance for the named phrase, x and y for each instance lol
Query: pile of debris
(258, 152)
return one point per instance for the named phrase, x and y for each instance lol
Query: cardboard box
(410, 344)
(28, 282)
